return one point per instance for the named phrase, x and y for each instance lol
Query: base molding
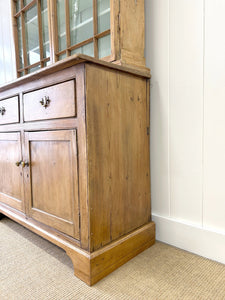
(105, 260)
(90, 267)
(199, 240)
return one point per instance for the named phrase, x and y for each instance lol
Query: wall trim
(193, 238)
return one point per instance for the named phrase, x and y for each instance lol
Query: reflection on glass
(32, 37)
(104, 46)
(86, 49)
(62, 56)
(19, 31)
(25, 2)
(103, 15)
(17, 5)
(45, 35)
(61, 19)
(81, 20)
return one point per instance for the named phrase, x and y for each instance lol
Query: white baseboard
(201, 241)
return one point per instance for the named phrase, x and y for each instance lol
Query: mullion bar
(15, 32)
(95, 27)
(23, 37)
(40, 32)
(25, 8)
(67, 16)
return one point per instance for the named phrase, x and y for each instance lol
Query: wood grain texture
(87, 185)
(104, 261)
(52, 177)
(118, 154)
(11, 107)
(132, 33)
(61, 102)
(11, 183)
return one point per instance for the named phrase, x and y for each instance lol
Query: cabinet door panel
(11, 183)
(52, 179)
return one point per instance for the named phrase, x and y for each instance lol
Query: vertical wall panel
(157, 59)
(7, 56)
(214, 158)
(186, 109)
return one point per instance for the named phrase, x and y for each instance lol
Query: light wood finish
(11, 110)
(11, 183)
(86, 177)
(62, 102)
(52, 177)
(100, 263)
(118, 144)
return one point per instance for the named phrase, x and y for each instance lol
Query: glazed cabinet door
(11, 183)
(51, 179)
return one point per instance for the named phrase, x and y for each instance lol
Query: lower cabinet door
(51, 179)
(11, 177)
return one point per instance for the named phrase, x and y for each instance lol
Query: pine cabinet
(46, 31)
(74, 160)
(11, 183)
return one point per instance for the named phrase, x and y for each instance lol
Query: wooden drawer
(9, 110)
(57, 101)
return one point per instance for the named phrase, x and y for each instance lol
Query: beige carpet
(32, 268)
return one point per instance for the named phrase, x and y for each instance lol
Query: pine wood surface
(11, 107)
(85, 176)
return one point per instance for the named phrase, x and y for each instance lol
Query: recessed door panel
(52, 174)
(11, 183)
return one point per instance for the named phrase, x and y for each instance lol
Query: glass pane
(20, 46)
(18, 5)
(47, 63)
(45, 35)
(25, 2)
(81, 20)
(103, 15)
(61, 20)
(104, 46)
(32, 38)
(62, 56)
(86, 49)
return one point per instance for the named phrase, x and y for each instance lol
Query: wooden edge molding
(71, 61)
(91, 267)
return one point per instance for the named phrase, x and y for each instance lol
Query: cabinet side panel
(118, 154)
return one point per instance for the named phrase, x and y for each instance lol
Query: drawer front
(9, 110)
(57, 101)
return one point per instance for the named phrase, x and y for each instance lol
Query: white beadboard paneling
(214, 177)
(207, 243)
(157, 39)
(7, 54)
(186, 109)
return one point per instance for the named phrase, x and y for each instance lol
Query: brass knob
(24, 164)
(45, 101)
(2, 110)
(18, 163)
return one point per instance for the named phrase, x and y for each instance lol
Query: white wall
(7, 54)
(185, 49)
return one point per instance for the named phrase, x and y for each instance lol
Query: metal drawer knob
(22, 163)
(18, 163)
(45, 101)
(2, 110)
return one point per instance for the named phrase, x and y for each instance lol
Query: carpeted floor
(33, 268)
